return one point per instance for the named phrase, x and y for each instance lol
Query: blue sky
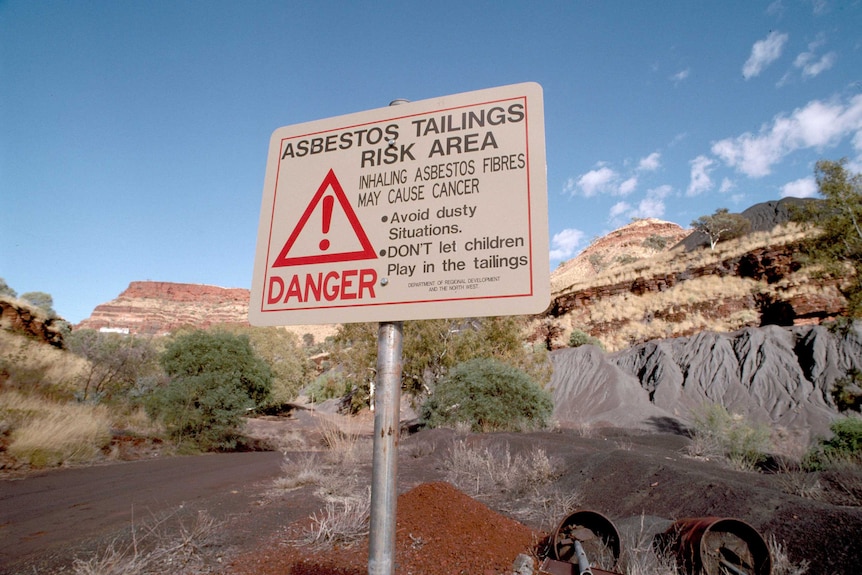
(133, 135)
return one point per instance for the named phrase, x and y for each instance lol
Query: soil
(641, 482)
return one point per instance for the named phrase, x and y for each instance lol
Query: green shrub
(845, 445)
(655, 242)
(718, 433)
(579, 338)
(203, 410)
(215, 378)
(327, 386)
(489, 396)
(847, 392)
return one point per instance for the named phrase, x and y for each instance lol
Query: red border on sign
(531, 290)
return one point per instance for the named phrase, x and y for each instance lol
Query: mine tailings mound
(781, 376)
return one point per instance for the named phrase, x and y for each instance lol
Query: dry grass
(39, 367)
(781, 563)
(342, 522)
(520, 486)
(640, 556)
(45, 433)
(678, 260)
(155, 549)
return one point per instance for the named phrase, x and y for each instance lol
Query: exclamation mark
(328, 201)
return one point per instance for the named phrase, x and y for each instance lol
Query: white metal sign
(429, 209)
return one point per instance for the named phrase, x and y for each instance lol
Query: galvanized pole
(387, 401)
(384, 470)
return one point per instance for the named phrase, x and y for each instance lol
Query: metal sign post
(384, 472)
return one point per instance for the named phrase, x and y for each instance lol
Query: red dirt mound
(439, 531)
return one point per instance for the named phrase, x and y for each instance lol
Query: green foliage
(283, 352)
(489, 396)
(328, 385)
(40, 300)
(204, 410)
(721, 226)
(847, 392)
(579, 338)
(5, 290)
(718, 433)
(430, 348)
(839, 218)
(597, 261)
(844, 446)
(655, 242)
(215, 377)
(626, 259)
(117, 363)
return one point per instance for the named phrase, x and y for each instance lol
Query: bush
(655, 242)
(579, 338)
(845, 445)
(489, 396)
(215, 379)
(431, 348)
(847, 392)
(718, 433)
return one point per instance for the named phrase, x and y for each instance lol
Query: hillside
(682, 290)
(156, 308)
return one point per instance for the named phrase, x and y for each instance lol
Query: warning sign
(429, 209)
(322, 253)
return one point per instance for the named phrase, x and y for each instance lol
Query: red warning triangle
(365, 253)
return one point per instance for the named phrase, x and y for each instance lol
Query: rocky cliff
(20, 317)
(781, 376)
(158, 307)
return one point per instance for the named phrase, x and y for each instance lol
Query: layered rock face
(158, 307)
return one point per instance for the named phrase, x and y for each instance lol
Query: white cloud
(565, 243)
(651, 206)
(619, 209)
(811, 66)
(628, 186)
(763, 53)
(726, 186)
(597, 181)
(700, 180)
(680, 76)
(651, 163)
(817, 125)
(802, 188)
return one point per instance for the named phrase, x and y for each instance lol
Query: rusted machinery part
(597, 535)
(718, 546)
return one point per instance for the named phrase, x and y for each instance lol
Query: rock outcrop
(20, 317)
(158, 307)
(781, 376)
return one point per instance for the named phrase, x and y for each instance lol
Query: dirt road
(44, 515)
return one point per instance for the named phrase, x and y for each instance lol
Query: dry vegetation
(690, 305)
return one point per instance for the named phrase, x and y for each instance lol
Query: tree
(282, 351)
(721, 226)
(117, 363)
(5, 290)
(41, 300)
(839, 219)
(430, 348)
(489, 395)
(215, 378)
